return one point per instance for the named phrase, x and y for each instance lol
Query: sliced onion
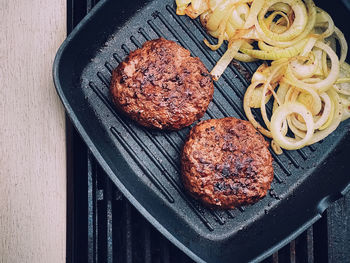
(342, 80)
(226, 59)
(313, 84)
(338, 110)
(281, 7)
(255, 99)
(248, 112)
(244, 57)
(263, 46)
(324, 64)
(308, 47)
(301, 70)
(221, 13)
(343, 86)
(324, 17)
(298, 26)
(275, 72)
(276, 53)
(298, 133)
(343, 44)
(318, 59)
(276, 148)
(330, 117)
(282, 44)
(254, 10)
(346, 107)
(221, 38)
(316, 105)
(275, 27)
(213, 4)
(327, 109)
(280, 115)
(237, 15)
(318, 120)
(281, 94)
(181, 6)
(326, 83)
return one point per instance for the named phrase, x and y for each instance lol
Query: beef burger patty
(226, 163)
(161, 86)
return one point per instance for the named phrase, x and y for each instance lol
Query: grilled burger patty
(226, 163)
(161, 86)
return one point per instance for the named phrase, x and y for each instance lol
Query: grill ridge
(303, 154)
(218, 217)
(105, 81)
(241, 208)
(161, 168)
(211, 59)
(144, 33)
(109, 67)
(229, 213)
(284, 168)
(164, 21)
(149, 174)
(247, 67)
(225, 95)
(281, 164)
(137, 160)
(208, 55)
(153, 158)
(126, 146)
(313, 147)
(220, 52)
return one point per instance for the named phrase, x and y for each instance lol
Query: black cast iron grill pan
(145, 165)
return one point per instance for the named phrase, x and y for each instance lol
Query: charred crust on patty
(226, 164)
(161, 86)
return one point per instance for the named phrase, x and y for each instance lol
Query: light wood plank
(32, 133)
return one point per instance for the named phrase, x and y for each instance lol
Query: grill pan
(144, 164)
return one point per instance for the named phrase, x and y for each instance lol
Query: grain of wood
(32, 133)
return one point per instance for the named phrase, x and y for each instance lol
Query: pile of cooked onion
(309, 83)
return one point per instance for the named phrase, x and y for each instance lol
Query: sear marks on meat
(161, 86)
(226, 163)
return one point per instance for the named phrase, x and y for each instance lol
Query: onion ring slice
(279, 117)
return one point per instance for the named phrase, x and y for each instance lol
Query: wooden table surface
(32, 133)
